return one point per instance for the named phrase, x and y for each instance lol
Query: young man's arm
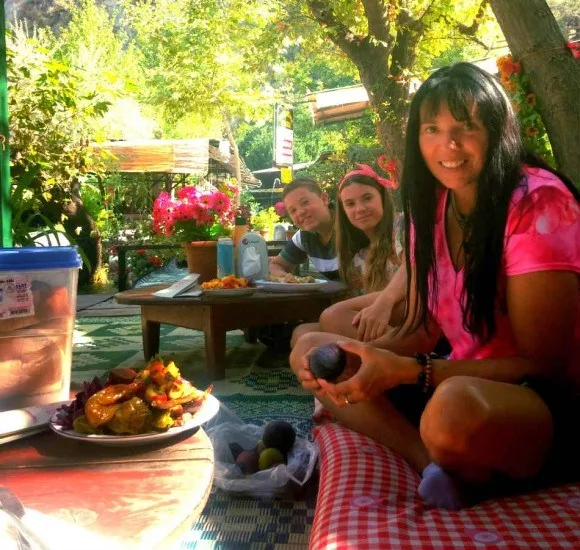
(280, 267)
(290, 256)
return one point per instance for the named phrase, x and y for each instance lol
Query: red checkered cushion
(368, 500)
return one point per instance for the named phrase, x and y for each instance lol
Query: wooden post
(5, 202)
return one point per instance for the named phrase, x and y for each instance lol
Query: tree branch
(355, 46)
(378, 18)
(409, 32)
(472, 29)
(427, 10)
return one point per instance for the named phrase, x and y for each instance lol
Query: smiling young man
(308, 207)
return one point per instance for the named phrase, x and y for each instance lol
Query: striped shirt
(307, 244)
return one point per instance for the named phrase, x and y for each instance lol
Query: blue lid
(37, 258)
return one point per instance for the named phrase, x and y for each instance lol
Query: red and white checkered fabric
(368, 500)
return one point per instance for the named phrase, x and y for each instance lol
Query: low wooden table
(215, 316)
(121, 498)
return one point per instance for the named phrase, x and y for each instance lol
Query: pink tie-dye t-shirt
(542, 233)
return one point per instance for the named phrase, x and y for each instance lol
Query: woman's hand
(373, 321)
(311, 383)
(304, 374)
(379, 370)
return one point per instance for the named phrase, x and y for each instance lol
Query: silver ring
(346, 401)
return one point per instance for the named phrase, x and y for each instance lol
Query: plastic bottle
(279, 232)
(252, 257)
(240, 229)
(225, 257)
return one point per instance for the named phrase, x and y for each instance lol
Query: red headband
(366, 170)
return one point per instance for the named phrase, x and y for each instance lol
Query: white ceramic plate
(271, 286)
(208, 410)
(226, 292)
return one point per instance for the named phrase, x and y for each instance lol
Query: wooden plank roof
(186, 156)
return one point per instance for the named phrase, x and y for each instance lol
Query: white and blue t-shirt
(307, 244)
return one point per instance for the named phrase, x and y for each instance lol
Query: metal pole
(5, 203)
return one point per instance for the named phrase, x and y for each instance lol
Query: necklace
(462, 219)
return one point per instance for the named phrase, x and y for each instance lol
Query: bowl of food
(290, 283)
(230, 285)
(135, 407)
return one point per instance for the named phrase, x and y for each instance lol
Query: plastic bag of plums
(260, 460)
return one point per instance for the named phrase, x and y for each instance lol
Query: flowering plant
(517, 86)
(196, 214)
(141, 263)
(390, 168)
(265, 219)
(280, 209)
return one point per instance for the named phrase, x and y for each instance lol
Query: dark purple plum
(248, 461)
(235, 449)
(280, 435)
(328, 362)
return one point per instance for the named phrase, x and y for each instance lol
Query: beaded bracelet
(425, 377)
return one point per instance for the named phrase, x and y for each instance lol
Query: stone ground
(99, 305)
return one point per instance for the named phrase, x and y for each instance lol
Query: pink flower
(195, 213)
(221, 202)
(208, 201)
(280, 208)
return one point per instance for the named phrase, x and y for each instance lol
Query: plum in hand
(328, 362)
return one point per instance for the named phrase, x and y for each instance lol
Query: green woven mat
(257, 394)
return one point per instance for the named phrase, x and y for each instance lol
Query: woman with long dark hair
(493, 253)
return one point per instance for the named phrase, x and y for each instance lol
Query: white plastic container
(38, 288)
(252, 257)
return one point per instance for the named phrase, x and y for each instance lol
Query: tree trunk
(234, 146)
(382, 58)
(88, 238)
(536, 41)
(390, 121)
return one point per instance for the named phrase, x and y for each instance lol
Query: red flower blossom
(574, 47)
(389, 166)
(532, 131)
(507, 66)
(508, 83)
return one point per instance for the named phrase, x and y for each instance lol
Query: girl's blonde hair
(349, 239)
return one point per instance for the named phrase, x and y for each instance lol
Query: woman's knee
(329, 317)
(453, 417)
(301, 330)
(491, 424)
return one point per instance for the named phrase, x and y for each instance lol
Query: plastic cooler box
(38, 289)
